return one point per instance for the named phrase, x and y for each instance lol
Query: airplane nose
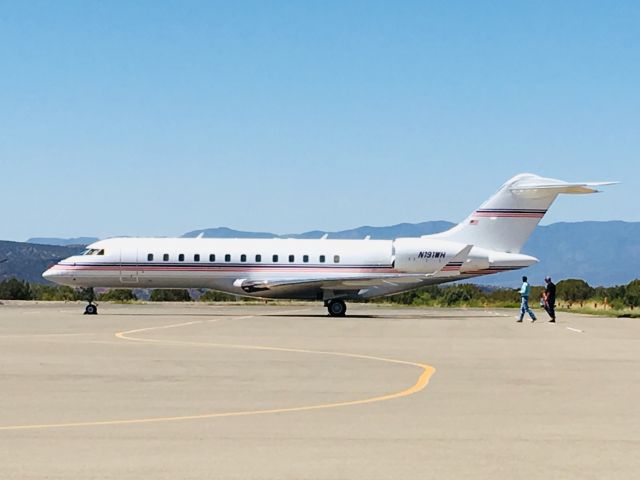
(52, 272)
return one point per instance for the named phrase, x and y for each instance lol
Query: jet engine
(421, 255)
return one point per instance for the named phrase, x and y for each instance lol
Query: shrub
(214, 296)
(14, 289)
(118, 295)
(54, 292)
(171, 295)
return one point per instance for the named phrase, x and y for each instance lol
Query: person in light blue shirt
(525, 290)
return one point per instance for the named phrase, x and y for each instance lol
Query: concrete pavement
(272, 391)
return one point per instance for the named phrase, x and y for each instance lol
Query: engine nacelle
(421, 255)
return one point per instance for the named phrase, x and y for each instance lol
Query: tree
(632, 294)
(118, 295)
(504, 296)
(458, 294)
(14, 289)
(171, 295)
(214, 296)
(574, 290)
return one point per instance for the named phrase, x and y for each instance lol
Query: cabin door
(129, 266)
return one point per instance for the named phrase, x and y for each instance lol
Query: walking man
(525, 290)
(549, 297)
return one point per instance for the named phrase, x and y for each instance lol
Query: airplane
(488, 241)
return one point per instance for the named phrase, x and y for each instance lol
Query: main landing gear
(336, 307)
(91, 309)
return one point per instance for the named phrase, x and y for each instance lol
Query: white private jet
(486, 242)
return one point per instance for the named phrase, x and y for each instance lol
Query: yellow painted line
(419, 385)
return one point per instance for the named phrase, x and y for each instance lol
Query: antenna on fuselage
(324, 237)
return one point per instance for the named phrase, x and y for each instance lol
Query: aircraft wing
(253, 286)
(449, 269)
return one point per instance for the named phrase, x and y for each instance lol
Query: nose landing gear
(336, 307)
(91, 309)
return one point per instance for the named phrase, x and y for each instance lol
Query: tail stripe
(514, 210)
(452, 266)
(509, 213)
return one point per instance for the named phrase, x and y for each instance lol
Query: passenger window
(275, 258)
(292, 258)
(227, 257)
(196, 257)
(181, 257)
(212, 257)
(336, 259)
(258, 258)
(165, 257)
(243, 258)
(322, 259)
(150, 257)
(305, 258)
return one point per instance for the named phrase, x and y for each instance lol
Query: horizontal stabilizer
(551, 187)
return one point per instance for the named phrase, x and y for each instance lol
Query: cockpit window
(94, 251)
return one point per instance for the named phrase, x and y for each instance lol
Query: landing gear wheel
(337, 308)
(91, 309)
(89, 295)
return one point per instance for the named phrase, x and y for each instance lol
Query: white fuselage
(228, 264)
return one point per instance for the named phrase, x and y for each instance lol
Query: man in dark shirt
(549, 297)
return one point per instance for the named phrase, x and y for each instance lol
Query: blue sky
(156, 118)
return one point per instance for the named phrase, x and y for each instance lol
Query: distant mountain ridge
(602, 253)
(381, 233)
(27, 261)
(62, 241)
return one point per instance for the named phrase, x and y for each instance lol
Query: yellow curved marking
(420, 384)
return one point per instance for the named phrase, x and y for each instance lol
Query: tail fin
(507, 219)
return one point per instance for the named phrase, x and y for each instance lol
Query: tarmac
(196, 391)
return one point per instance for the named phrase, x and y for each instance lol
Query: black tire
(91, 310)
(337, 308)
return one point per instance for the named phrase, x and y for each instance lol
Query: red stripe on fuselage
(162, 268)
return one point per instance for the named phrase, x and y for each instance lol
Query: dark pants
(550, 307)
